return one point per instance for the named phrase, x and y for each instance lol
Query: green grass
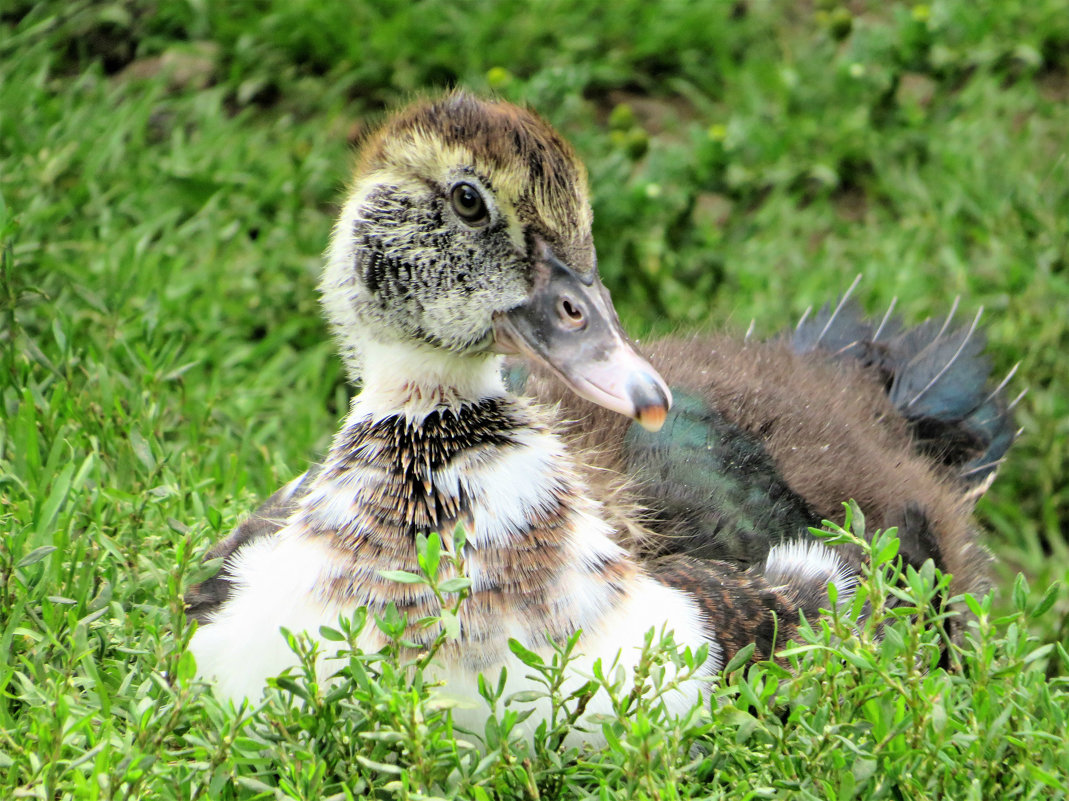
(168, 176)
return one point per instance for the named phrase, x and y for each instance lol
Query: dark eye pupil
(468, 203)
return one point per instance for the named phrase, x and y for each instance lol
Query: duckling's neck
(412, 380)
(451, 446)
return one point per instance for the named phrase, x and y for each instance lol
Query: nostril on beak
(570, 313)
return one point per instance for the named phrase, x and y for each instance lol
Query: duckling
(465, 238)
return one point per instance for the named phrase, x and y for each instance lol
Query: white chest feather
(243, 645)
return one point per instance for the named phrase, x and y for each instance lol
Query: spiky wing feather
(937, 377)
(840, 330)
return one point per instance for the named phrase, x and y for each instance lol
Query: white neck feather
(412, 379)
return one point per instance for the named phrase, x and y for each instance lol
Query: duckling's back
(768, 438)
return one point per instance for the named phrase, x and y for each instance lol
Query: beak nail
(652, 418)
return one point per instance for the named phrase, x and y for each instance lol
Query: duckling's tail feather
(804, 568)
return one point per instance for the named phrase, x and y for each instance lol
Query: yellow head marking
(533, 172)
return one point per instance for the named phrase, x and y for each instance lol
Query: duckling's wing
(204, 598)
(937, 376)
(705, 486)
(711, 487)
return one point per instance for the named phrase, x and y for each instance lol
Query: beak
(568, 323)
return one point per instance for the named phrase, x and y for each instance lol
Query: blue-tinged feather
(715, 483)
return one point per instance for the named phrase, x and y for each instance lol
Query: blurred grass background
(169, 172)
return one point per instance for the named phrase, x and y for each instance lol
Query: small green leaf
(775, 670)
(381, 767)
(402, 577)
(92, 617)
(741, 657)
(528, 657)
(61, 337)
(186, 669)
(1039, 653)
(1020, 593)
(36, 555)
(460, 539)
(886, 549)
(142, 450)
(450, 624)
(289, 685)
(863, 661)
(429, 550)
(56, 498)
(939, 716)
(391, 623)
(524, 697)
(255, 785)
(1047, 602)
(855, 519)
(847, 786)
(357, 621)
(177, 526)
(328, 633)
(455, 584)
(204, 570)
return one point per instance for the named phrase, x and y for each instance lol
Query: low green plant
(865, 704)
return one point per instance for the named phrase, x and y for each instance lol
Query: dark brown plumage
(740, 608)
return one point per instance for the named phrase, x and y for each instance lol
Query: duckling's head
(467, 232)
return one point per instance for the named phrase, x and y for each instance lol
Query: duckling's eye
(469, 204)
